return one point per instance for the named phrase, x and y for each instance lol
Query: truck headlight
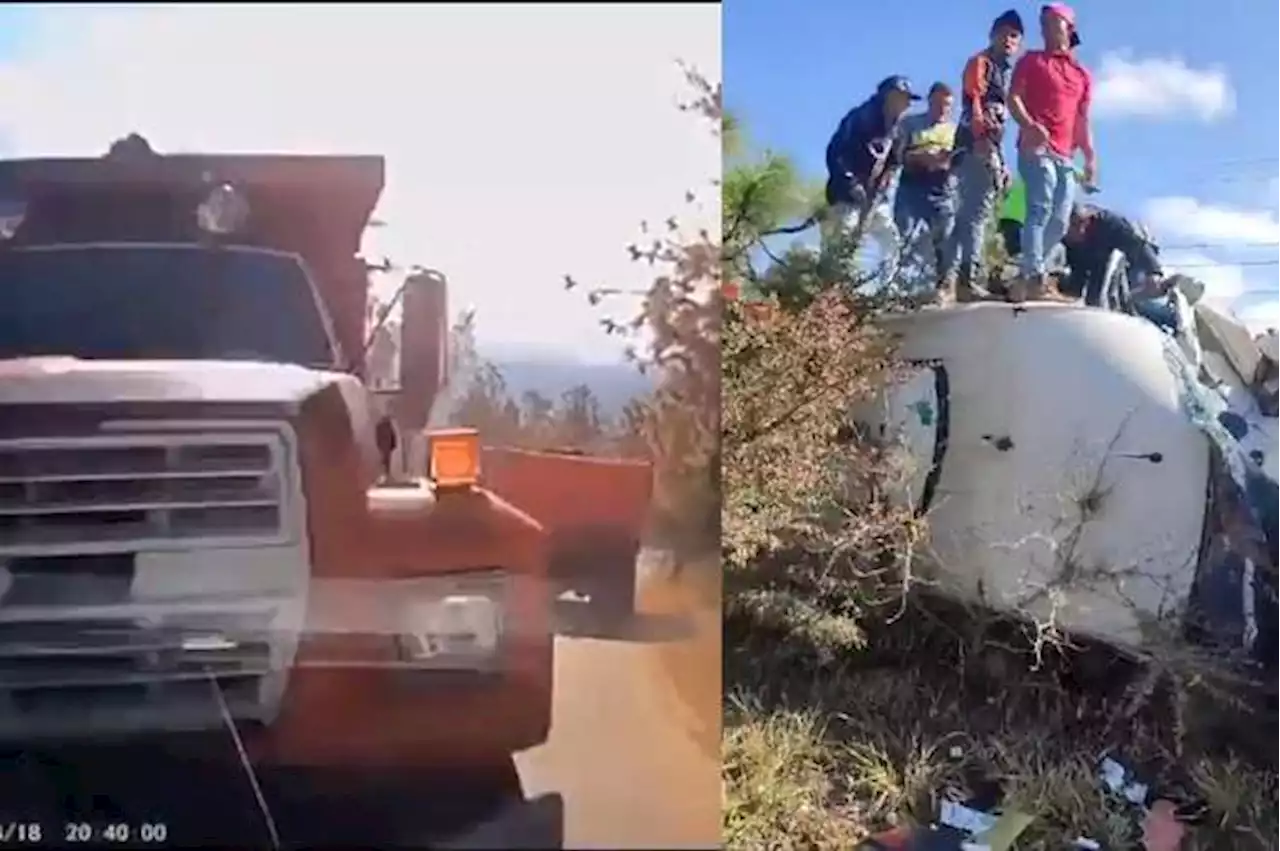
(457, 623)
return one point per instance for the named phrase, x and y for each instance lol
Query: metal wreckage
(1085, 468)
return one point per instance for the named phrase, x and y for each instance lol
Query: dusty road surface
(622, 754)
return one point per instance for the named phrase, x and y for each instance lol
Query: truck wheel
(387, 807)
(512, 820)
(599, 561)
(614, 597)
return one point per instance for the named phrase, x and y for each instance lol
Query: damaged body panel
(1082, 475)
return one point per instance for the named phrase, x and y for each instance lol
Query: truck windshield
(159, 302)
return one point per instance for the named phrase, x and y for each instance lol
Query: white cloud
(1160, 87)
(1186, 219)
(1261, 315)
(522, 142)
(1224, 282)
(1249, 292)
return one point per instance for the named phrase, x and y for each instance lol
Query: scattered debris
(970, 827)
(1120, 780)
(960, 827)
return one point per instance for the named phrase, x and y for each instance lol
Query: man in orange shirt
(977, 164)
(1049, 98)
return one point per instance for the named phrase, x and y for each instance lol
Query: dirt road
(621, 752)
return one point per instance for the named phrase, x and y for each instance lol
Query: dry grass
(833, 732)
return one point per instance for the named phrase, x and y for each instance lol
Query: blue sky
(1187, 122)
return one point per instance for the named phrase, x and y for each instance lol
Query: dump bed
(316, 206)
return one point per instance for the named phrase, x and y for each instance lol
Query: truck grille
(109, 668)
(141, 491)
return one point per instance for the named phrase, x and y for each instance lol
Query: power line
(1203, 246)
(1225, 263)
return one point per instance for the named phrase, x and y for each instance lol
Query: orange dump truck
(194, 535)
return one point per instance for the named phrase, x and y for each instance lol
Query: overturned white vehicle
(1079, 466)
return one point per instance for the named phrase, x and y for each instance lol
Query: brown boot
(1045, 288)
(966, 293)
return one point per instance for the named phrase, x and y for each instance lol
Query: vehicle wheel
(600, 562)
(613, 597)
(378, 807)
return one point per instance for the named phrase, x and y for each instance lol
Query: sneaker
(1016, 290)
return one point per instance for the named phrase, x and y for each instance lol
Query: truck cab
(196, 533)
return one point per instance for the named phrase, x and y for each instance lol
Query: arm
(1017, 88)
(1078, 270)
(856, 153)
(973, 89)
(1084, 131)
(1140, 254)
(838, 149)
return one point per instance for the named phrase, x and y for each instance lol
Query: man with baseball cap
(978, 162)
(862, 156)
(1049, 98)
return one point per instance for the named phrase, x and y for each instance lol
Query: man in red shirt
(1049, 98)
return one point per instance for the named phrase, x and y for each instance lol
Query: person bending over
(862, 156)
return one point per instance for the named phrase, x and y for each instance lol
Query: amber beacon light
(455, 457)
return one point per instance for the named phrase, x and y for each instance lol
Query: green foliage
(758, 196)
(793, 362)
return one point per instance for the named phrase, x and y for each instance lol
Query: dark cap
(1010, 19)
(896, 83)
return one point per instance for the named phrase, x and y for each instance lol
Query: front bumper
(437, 719)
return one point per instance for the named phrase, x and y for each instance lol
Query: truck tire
(599, 561)
(613, 597)
(388, 807)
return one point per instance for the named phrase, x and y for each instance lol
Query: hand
(1090, 176)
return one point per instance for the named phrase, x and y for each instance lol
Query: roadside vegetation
(854, 702)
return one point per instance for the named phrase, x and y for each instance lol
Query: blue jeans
(916, 208)
(975, 193)
(1051, 190)
(1158, 311)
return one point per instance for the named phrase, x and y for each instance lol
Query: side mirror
(424, 346)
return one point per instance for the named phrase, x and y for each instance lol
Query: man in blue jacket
(862, 157)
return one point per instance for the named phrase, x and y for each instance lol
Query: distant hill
(614, 384)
